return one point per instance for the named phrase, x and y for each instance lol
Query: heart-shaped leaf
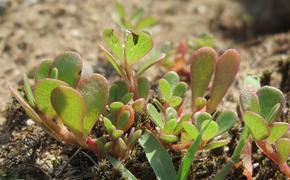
(143, 87)
(69, 66)
(257, 125)
(43, 70)
(70, 107)
(226, 120)
(202, 68)
(226, 69)
(211, 130)
(278, 129)
(268, 98)
(216, 144)
(137, 46)
(191, 130)
(165, 89)
(200, 117)
(113, 42)
(283, 149)
(95, 91)
(155, 116)
(42, 94)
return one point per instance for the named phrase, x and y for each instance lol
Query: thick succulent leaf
(126, 98)
(171, 113)
(226, 120)
(278, 129)
(211, 130)
(200, 117)
(118, 165)
(134, 138)
(113, 61)
(125, 118)
(155, 116)
(165, 88)
(29, 110)
(168, 138)
(113, 42)
(108, 125)
(172, 77)
(158, 157)
(139, 105)
(170, 126)
(249, 101)
(53, 73)
(43, 70)
(143, 87)
(180, 89)
(154, 59)
(191, 130)
(28, 91)
(202, 68)
(226, 69)
(216, 144)
(257, 125)
(268, 98)
(179, 126)
(69, 66)
(123, 87)
(42, 94)
(175, 101)
(118, 89)
(70, 107)
(115, 107)
(147, 23)
(117, 133)
(282, 146)
(137, 46)
(95, 92)
(252, 82)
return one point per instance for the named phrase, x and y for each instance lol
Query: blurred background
(32, 30)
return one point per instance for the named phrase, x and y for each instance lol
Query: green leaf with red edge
(127, 120)
(202, 68)
(42, 94)
(257, 125)
(137, 46)
(70, 106)
(69, 66)
(95, 91)
(113, 42)
(278, 129)
(226, 69)
(123, 120)
(268, 98)
(43, 70)
(282, 146)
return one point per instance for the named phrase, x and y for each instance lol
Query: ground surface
(33, 30)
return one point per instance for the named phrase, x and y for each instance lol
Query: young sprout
(67, 107)
(124, 57)
(135, 22)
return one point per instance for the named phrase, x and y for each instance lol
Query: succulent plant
(67, 106)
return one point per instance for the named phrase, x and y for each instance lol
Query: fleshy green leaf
(43, 70)
(225, 73)
(147, 23)
(168, 138)
(180, 89)
(134, 138)
(155, 116)
(137, 46)
(211, 130)
(175, 101)
(95, 91)
(172, 78)
(115, 107)
(158, 157)
(226, 120)
(165, 88)
(42, 93)
(108, 125)
(191, 130)
(126, 98)
(143, 87)
(257, 125)
(118, 90)
(278, 129)
(117, 133)
(170, 126)
(139, 105)
(113, 42)
(200, 117)
(216, 144)
(28, 91)
(171, 113)
(54, 73)
(283, 149)
(70, 107)
(202, 68)
(123, 120)
(268, 98)
(69, 66)
(179, 126)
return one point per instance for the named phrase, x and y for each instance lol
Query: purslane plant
(67, 107)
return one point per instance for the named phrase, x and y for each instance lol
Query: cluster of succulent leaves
(135, 22)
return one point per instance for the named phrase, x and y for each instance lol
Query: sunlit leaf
(171, 113)
(70, 107)
(175, 101)
(179, 126)
(113, 43)
(69, 66)
(226, 120)
(226, 69)
(154, 59)
(108, 125)
(283, 149)
(170, 126)
(125, 120)
(158, 157)
(278, 129)
(155, 116)
(257, 125)
(211, 131)
(216, 144)
(200, 117)
(43, 70)
(28, 91)
(168, 138)
(165, 88)
(191, 130)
